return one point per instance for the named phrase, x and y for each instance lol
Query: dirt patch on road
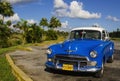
(33, 64)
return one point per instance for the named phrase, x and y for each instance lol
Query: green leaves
(34, 34)
(54, 23)
(6, 9)
(43, 22)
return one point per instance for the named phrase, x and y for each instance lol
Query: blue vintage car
(87, 49)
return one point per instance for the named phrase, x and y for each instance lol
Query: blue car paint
(83, 47)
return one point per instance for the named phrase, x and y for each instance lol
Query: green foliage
(115, 34)
(14, 42)
(43, 22)
(23, 26)
(54, 23)
(34, 34)
(116, 39)
(51, 35)
(26, 33)
(29, 33)
(62, 33)
(5, 32)
(8, 23)
(6, 9)
(5, 70)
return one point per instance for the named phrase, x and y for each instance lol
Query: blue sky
(72, 13)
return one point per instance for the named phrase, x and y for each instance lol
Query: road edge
(21, 76)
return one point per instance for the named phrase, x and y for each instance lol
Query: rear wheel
(110, 59)
(99, 74)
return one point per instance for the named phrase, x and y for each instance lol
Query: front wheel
(99, 74)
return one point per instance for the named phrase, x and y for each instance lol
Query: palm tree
(6, 9)
(34, 34)
(43, 22)
(54, 23)
(23, 26)
(5, 31)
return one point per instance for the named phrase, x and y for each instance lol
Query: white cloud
(60, 4)
(115, 19)
(13, 18)
(31, 21)
(65, 24)
(74, 10)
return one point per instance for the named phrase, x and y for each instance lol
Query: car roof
(89, 28)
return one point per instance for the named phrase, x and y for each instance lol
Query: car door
(106, 45)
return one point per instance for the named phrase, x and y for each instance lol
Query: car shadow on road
(70, 73)
(110, 74)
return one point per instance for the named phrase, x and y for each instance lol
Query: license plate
(67, 67)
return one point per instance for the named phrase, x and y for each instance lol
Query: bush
(14, 42)
(51, 35)
(3, 43)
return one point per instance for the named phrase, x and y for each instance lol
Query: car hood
(81, 46)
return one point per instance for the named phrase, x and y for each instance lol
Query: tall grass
(5, 70)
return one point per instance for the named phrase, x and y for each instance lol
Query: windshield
(85, 34)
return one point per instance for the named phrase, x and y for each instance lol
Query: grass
(115, 39)
(5, 70)
(44, 43)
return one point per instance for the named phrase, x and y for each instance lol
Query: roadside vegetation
(115, 35)
(19, 35)
(5, 70)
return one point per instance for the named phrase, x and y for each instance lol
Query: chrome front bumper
(82, 69)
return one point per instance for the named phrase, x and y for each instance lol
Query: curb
(21, 76)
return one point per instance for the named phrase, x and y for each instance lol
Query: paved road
(32, 63)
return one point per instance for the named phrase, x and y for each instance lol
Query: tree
(6, 9)
(34, 34)
(23, 26)
(5, 33)
(51, 35)
(54, 23)
(9, 23)
(43, 22)
(118, 29)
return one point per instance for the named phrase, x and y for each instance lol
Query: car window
(103, 35)
(85, 34)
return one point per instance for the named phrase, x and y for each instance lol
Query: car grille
(77, 61)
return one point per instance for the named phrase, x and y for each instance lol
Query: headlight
(48, 51)
(93, 54)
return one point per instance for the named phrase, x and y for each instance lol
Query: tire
(48, 69)
(100, 73)
(110, 59)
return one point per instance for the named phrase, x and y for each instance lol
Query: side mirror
(107, 38)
